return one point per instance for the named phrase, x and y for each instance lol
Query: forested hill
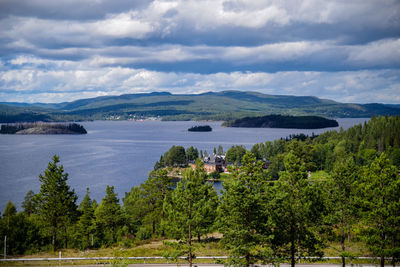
(280, 121)
(227, 105)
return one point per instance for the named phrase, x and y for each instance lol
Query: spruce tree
(56, 201)
(109, 216)
(86, 221)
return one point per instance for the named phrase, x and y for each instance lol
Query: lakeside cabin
(217, 163)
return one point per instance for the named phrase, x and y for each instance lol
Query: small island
(283, 121)
(42, 128)
(203, 128)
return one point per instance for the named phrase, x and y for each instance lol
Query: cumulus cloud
(73, 80)
(344, 50)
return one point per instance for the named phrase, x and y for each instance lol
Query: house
(213, 163)
(217, 163)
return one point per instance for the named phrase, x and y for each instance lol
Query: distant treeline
(262, 215)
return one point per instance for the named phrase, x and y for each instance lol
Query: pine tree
(243, 213)
(341, 194)
(297, 208)
(380, 191)
(155, 190)
(28, 204)
(190, 208)
(56, 202)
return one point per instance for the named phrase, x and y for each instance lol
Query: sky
(57, 51)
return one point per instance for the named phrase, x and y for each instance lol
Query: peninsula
(42, 128)
(281, 121)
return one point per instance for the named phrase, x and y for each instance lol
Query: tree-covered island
(282, 121)
(200, 128)
(42, 128)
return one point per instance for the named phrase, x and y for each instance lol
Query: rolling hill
(226, 105)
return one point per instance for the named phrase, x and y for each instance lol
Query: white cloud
(77, 80)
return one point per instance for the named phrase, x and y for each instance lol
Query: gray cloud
(50, 49)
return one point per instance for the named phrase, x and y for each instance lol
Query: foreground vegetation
(350, 206)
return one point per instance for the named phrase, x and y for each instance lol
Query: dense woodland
(267, 215)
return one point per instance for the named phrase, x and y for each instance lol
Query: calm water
(119, 153)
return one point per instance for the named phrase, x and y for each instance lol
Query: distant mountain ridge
(225, 105)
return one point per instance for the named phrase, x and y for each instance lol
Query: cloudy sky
(345, 50)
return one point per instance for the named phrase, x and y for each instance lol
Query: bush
(144, 233)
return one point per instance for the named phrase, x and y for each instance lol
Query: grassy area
(157, 247)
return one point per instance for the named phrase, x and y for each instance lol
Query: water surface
(118, 153)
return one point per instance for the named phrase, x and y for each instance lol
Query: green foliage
(243, 215)
(109, 217)
(395, 157)
(154, 191)
(214, 175)
(56, 202)
(297, 209)
(28, 204)
(380, 189)
(264, 215)
(192, 154)
(191, 208)
(9, 210)
(235, 154)
(341, 200)
(176, 156)
(85, 225)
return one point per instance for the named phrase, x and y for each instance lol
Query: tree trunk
(247, 260)
(382, 261)
(198, 238)
(342, 237)
(190, 245)
(292, 244)
(190, 234)
(65, 237)
(292, 253)
(53, 241)
(154, 227)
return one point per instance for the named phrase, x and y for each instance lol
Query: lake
(118, 153)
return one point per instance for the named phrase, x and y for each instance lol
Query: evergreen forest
(336, 188)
